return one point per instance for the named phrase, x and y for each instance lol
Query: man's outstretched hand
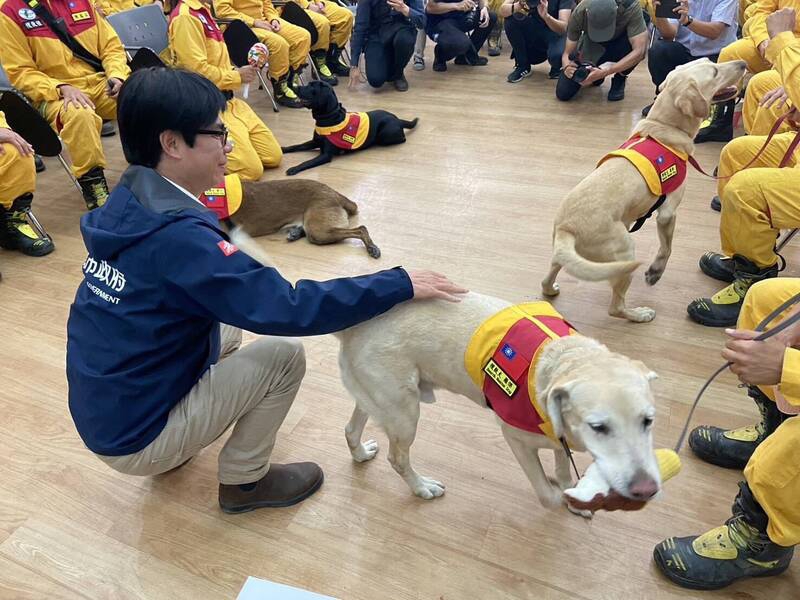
(428, 284)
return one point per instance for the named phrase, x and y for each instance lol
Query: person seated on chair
(111, 7)
(702, 28)
(752, 49)
(154, 364)
(536, 31)
(449, 22)
(288, 44)
(604, 38)
(197, 45)
(334, 24)
(758, 539)
(757, 202)
(17, 184)
(385, 31)
(73, 96)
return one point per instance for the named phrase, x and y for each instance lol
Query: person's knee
(81, 117)
(565, 90)
(376, 80)
(291, 353)
(248, 170)
(405, 38)
(765, 293)
(272, 159)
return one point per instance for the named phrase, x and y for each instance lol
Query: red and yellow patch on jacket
(224, 199)
(663, 168)
(350, 134)
(501, 360)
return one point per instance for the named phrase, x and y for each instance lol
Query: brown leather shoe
(283, 485)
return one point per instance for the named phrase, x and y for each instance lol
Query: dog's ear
(691, 102)
(556, 400)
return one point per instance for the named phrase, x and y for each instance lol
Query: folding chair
(23, 118)
(142, 30)
(239, 38)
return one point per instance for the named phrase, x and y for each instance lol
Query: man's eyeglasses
(221, 134)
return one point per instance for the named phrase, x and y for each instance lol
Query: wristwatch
(689, 20)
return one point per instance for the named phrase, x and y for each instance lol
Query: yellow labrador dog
(591, 237)
(597, 400)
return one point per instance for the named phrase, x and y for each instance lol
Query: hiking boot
(716, 203)
(471, 59)
(108, 130)
(284, 94)
(283, 485)
(419, 63)
(38, 163)
(401, 84)
(718, 266)
(719, 125)
(741, 548)
(318, 56)
(733, 448)
(439, 64)
(20, 230)
(518, 74)
(494, 41)
(617, 91)
(336, 62)
(722, 309)
(294, 78)
(94, 187)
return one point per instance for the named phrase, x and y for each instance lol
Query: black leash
(569, 454)
(767, 334)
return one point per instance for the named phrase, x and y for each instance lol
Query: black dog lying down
(337, 131)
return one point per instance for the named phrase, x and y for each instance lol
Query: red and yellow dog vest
(224, 199)
(350, 134)
(663, 168)
(501, 360)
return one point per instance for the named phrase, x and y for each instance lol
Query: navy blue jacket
(368, 22)
(159, 279)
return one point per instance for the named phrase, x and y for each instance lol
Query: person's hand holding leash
(484, 22)
(428, 284)
(778, 96)
(72, 95)
(114, 86)
(780, 21)
(7, 136)
(759, 362)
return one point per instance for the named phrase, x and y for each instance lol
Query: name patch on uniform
(217, 191)
(81, 16)
(348, 138)
(496, 373)
(669, 173)
(227, 248)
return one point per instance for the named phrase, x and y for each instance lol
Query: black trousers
(664, 56)
(452, 39)
(387, 53)
(533, 42)
(616, 50)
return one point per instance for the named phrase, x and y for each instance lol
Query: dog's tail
(564, 253)
(250, 247)
(409, 124)
(350, 207)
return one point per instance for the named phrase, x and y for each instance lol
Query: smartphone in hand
(666, 9)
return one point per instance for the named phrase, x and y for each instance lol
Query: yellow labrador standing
(591, 238)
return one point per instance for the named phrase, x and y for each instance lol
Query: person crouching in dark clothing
(385, 31)
(448, 23)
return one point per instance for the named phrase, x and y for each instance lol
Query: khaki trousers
(251, 388)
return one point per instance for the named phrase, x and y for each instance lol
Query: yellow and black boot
(94, 187)
(336, 62)
(719, 125)
(733, 448)
(21, 230)
(284, 94)
(320, 61)
(739, 549)
(494, 41)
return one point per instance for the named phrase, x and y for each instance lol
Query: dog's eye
(600, 428)
(647, 422)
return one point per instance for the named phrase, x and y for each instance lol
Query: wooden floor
(471, 194)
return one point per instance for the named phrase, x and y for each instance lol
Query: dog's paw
(365, 451)
(550, 291)
(428, 489)
(652, 275)
(292, 171)
(374, 251)
(586, 514)
(640, 314)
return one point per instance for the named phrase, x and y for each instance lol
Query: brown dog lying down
(264, 207)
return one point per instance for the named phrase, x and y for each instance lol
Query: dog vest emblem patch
(663, 168)
(501, 354)
(225, 198)
(350, 134)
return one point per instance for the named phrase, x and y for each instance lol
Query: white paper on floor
(260, 589)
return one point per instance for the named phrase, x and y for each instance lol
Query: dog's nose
(643, 487)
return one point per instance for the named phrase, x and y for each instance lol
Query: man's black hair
(160, 99)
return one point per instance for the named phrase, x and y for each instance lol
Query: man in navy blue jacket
(153, 361)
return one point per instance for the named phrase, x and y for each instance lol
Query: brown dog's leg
(329, 225)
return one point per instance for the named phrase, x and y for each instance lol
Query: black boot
(719, 128)
(617, 91)
(716, 203)
(718, 266)
(94, 187)
(20, 229)
(722, 309)
(284, 94)
(320, 61)
(439, 64)
(38, 163)
(108, 129)
(494, 41)
(732, 449)
(739, 549)
(336, 62)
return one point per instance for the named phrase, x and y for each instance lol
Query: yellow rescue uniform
(287, 47)
(334, 26)
(746, 49)
(759, 201)
(112, 7)
(197, 45)
(37, 62)
(17, 172)
(758, 120)
(773, 472)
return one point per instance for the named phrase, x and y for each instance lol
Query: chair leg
(37, 227)
(346, 55)
(69, 172)
(266, 89)
(785, 239)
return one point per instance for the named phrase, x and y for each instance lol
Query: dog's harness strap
(640, 221)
